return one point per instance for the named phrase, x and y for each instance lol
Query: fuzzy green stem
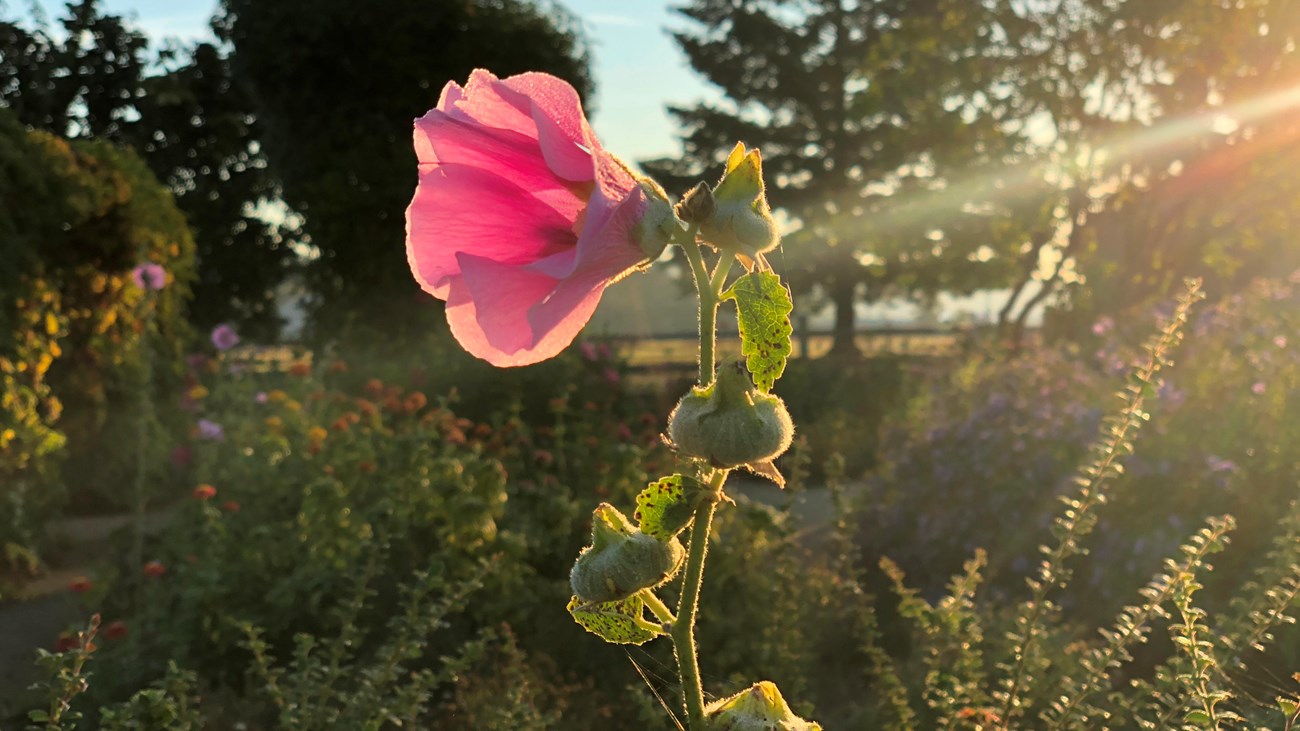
(657, 606)
(708, 296)
(683, 633)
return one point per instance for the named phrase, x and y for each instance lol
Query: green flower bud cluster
(759, 708)
(741, 221)
(731, 423)
(622, 560)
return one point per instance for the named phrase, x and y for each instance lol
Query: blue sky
(638, 68)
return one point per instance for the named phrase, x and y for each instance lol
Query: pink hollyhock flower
(149, 276)
(521, 218)
(224, 337)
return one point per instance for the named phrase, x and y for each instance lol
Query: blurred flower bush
(994, 443)
(78, 218)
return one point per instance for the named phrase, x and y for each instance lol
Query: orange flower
(339, 366)
(316, 434)
(374, 388)
(277, 396)
(205, 492)
(274, 422)
(300, 369)
(230, 506)
(415, 401)
(367, 408)
(154, 569)
(366, 467)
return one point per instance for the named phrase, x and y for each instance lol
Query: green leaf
(763, 307)
(1197, 716)
(1289, 707)
(619, 623)
(666, 506)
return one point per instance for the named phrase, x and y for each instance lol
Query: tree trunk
(844, 333)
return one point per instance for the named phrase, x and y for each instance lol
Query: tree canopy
(193, 125)
(1087, 153)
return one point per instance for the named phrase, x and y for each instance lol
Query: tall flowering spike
(741, 221)
(521, 219)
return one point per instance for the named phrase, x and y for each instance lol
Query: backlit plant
(520, 221)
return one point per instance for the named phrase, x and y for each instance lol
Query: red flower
(300, 370)
(154, 569)
(79, 585)
(182, 455)
(230, 506)
(115, 630)
(205, 492)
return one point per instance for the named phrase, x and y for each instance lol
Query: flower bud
(731, 423)
(742, 221)
(621, 560)
(759, 708)
(697, 204)
(658, 222)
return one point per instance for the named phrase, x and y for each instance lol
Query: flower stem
(657, 606)
(708, 296)
(683, 632)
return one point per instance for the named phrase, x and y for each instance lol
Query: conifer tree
(866, 112)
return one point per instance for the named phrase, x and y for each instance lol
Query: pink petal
(463, 209)
(567, 141)
(442, 139)
(503, 333)
(484, 100)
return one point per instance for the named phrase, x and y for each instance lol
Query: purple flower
(151, 277)
(1103, 325)
(211, 430)
(260, 397)
(1219, 464)
(224, 337)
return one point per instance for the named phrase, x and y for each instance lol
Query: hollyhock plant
(150, 277)
(521, 219)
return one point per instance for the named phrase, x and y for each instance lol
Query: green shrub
(78, 217)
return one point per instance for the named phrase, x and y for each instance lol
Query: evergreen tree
(867, 112)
